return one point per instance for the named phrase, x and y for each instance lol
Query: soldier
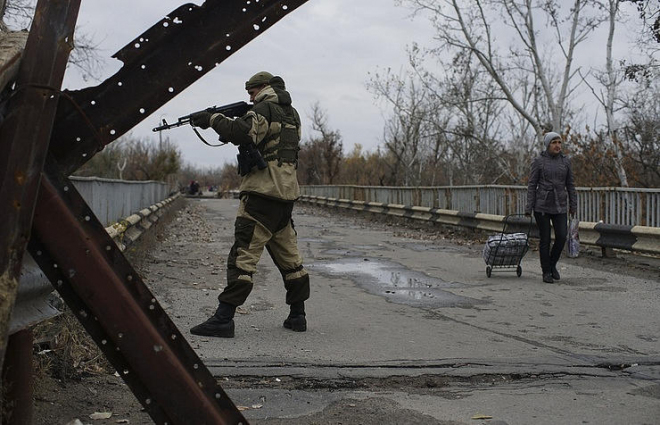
(267, 195)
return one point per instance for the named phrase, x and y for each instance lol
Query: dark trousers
(550, 257)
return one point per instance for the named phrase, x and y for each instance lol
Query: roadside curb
(128, 230)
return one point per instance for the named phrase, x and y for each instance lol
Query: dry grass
(64, 350)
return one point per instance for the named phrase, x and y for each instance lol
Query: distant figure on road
(194, 187)
(267, 194)
(550, 178)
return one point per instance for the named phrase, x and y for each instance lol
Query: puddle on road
(398, 284)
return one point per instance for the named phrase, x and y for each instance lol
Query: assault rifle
(236, 109)
(248, 154)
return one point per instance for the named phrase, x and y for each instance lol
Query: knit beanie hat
(549, 137)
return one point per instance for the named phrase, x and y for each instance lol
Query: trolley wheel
(489, 270)
(519, 271)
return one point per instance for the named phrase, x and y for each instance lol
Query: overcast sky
(324, 50)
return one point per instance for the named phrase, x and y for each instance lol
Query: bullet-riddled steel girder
(24, 137)
(158, 65)
(120, 313)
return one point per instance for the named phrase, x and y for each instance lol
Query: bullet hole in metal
(244, 10)
(158, 348)
(120, 84)
(195, 366)
(126, 372)
(228, 47)
(170, 89)
(38, 252)
(173, 337)
(87, 218)
(59, 283)
(137, 45)
(264, 19)
(108, 247)
(218, 396)
(121, 335)
(166, 24)
(55, 266)
(256, 27)
(66, 188)
(104, 341)
(78, 139)
(93, 102)
(152, 307)
(113, 132)
(83, 313)
(285, 7)
(177, 20)
(129, 277)
(143, 66)
(84, 155)
(200, 384)
(153, 301)
(142, 111)
(147, 401)
(199, 68)
(142, 39)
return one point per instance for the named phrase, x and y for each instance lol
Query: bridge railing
(611, 205)
(112, 199)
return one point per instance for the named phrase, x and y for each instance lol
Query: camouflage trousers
(264, 223)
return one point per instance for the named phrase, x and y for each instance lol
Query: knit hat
(549, 137)
(258, 79)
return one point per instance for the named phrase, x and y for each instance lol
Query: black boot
(296, 320)
(547, 278)
(555, 273)
(220, 325)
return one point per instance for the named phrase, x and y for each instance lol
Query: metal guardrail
(112, 199)
(611, 205)
(632, 238)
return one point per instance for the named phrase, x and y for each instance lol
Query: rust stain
(20, 178)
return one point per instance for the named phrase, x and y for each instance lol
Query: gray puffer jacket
(549, 180)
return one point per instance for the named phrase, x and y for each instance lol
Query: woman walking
(550, 178)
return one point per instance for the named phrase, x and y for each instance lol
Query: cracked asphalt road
(404, 327)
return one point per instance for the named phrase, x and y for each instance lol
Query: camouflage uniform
(266, 195)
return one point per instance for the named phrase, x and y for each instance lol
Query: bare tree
(404, 129)
(321, 155)
(469, 26)
(641, 131)
(610, 79)
(17, 15)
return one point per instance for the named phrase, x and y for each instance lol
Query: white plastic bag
(573, 238)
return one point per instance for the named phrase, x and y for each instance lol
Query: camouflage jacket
(273, 125)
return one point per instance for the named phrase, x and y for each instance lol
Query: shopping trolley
(506, 250)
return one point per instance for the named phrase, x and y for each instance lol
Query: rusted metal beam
(120, 313)
(24, 137)
(158, 65)
(17, 379)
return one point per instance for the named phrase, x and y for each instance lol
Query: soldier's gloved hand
(201, 119)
